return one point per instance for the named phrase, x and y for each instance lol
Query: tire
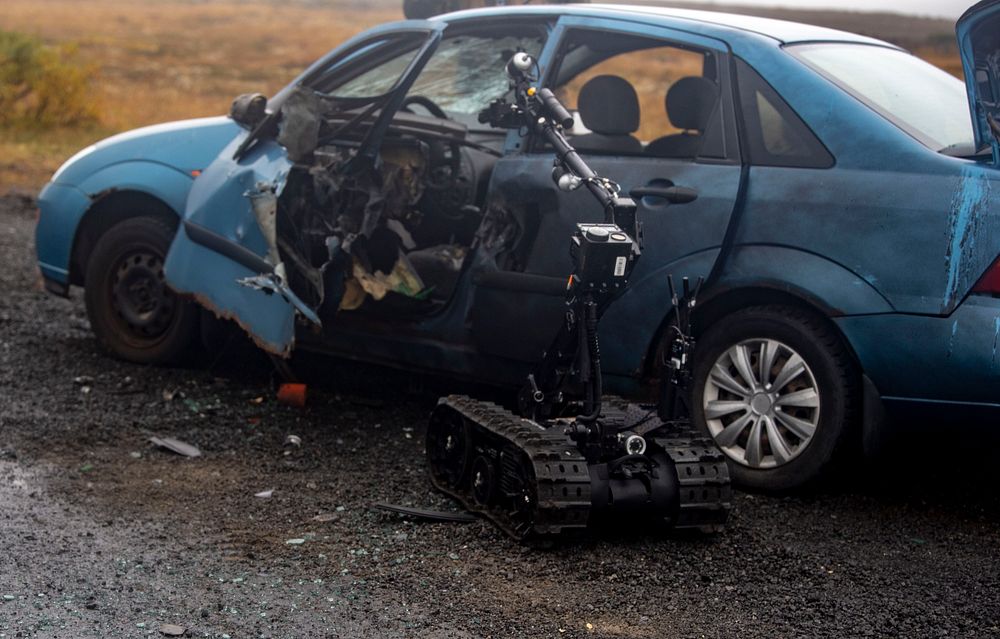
(779, 430)
(132, 312)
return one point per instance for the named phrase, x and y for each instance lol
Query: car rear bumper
(927, 359)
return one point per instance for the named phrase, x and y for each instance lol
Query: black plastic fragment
(422, 513)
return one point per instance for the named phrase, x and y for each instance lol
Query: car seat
(689, 102)
(609, 107)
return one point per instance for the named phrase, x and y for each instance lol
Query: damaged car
(847, 222)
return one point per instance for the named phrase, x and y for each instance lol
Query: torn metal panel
(218, 206)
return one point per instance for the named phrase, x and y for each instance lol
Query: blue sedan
(847, 224)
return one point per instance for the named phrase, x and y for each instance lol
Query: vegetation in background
(42, 86)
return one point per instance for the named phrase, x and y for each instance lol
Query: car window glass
(467, 71)
(650, 67)
(378, 80)
(776, 136)
(919, 98)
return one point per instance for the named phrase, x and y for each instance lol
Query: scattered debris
(421, 513)
(86, 468)
(83, 380)
(326, 517)
(172, 630)
(168, 394)
(293, 440)
(265, 494)
(296, 542)
(257, 400)
(135, 454)
(200, 408)
(177, 446)
(292, 394)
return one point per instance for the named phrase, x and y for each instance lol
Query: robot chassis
(570, 458)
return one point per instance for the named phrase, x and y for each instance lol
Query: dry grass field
(161, 60)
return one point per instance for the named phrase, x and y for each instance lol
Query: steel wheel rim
(761, 403)
(142, 303)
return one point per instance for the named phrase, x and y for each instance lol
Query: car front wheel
(133, 313)
(776, 390)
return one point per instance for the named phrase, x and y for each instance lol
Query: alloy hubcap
(761, 403)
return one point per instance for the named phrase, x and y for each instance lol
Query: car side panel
(918, 226)
(952, 359)
(631, 325)
(63, 206)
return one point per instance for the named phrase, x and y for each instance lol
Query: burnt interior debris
(387, 231)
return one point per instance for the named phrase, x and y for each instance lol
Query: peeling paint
(951, 340)
(996, 338)
(968, 208)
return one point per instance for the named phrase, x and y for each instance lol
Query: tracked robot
(569, 457)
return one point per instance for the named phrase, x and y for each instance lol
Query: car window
(775, 134)
(380, 79)
(919, 98)
(466, 73)
(616, 65)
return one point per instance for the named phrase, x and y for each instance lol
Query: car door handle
(672, 194)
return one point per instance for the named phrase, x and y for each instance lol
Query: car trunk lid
(978, 32)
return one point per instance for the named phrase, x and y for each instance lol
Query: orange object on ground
(292, 394)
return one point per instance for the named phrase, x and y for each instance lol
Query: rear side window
(776, 136)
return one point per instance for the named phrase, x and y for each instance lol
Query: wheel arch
(107, 209)
(720, 301)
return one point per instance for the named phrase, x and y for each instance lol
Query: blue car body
(888, 239)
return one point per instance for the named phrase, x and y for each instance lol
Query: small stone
(9, 597)
(296, 542)
(172, 630)
(452, 556)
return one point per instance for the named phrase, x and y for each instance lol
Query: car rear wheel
(776, 389)
(133, 313)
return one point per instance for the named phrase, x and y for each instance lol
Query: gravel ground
(104, 535)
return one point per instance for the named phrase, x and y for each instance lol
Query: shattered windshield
(467, 71)
(919, 98)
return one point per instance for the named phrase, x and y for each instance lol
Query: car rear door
(518, 321)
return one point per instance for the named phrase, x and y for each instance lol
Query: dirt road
(103, 535)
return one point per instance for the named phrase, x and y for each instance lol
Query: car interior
(394, 240)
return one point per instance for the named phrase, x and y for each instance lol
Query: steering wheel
(430, 105)
(445, 157)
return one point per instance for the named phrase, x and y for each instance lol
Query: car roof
(711, 22)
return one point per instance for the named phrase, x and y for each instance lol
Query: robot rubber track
(533, 482)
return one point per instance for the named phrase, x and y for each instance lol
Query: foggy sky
(938, 8)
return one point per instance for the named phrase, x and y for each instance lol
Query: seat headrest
(609, 105)
(690, 102)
